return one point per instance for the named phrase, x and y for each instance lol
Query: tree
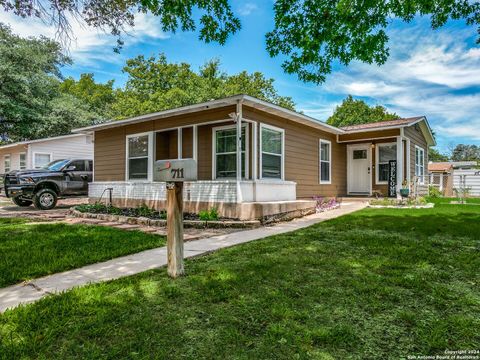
(98, 97)
(310, 34)
(435, 156)
(353, 112)
(154, 84)
(29, 73)
(313, 34)
(466, 153)
(216, 20)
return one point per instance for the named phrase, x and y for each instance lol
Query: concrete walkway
(34, 290)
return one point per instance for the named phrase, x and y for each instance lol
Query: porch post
(195, 139)
(407, 154)
(255, 150)
(179, 143)
(239, 150)
(399, 163)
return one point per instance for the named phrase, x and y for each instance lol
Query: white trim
(255, 151)
(214, 152)
(149, 156)
(20, 161)
(195, 142)
(350, 178)
(399, 162)
(377, 162)
(282, 163)
(238, 143)
(422, 180)
(323, 182)
(408, 160)
(41, 153)
(179, 143)
(9, 156)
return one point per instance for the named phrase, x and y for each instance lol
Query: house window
(385, 153)
(138, 156)
(226, 152)
(325, 161)
(7, 163)
(41, 159)
(272, 149)
(23, 161)
(419, 161)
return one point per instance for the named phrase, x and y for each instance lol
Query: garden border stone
(198, 224)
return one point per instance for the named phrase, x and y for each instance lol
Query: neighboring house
(37, 153)
(459, 174)
(285, 156)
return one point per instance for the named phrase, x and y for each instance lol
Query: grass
(31, 250)
(376, 284)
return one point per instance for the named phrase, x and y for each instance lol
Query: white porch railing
(200, 191)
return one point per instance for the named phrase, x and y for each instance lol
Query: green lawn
(28, 251)
(377, 284)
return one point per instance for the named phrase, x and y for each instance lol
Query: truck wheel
(45, 199)
(21, 202)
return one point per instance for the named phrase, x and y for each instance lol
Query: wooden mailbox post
(174, 173)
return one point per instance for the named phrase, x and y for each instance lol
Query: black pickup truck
(42, 187)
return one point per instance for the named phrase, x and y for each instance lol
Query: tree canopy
(310, 34)
(435, 155)
(354, 111)
(154, 84)
(463, 152)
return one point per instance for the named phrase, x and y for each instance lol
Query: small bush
(434, 192)
(208, 215)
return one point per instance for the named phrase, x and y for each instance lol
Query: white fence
(462, 183)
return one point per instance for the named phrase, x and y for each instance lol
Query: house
(254, 158)
(34, 154)
(456, 175)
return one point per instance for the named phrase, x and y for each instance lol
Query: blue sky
(432, 73)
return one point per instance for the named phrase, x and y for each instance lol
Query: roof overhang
(422, 121)
(28, 142)
(215, 104)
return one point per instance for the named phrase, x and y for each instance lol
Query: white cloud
(436, 74)
(89, 44)
(247, 8)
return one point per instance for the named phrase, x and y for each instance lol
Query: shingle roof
(440, 167)
(382, 124)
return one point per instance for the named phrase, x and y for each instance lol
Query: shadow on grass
(363, 286)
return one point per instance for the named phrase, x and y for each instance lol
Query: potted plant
(404, 191)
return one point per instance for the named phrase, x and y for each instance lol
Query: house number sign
(175, 170)
(392, 178)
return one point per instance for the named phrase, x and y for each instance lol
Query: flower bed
(409, 203)
(151, 217)
(325, 204)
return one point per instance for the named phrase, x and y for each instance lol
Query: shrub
(434, 192)
(208, 215)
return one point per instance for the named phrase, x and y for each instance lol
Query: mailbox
(175, 170)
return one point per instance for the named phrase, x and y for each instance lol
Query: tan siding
(187, 143)
(109, 159)
(416, 138)
(369, 135)
(302, 155)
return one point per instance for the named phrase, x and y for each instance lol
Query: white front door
(359, 177)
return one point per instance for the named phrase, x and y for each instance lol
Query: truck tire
(45, 199)
(21, 202)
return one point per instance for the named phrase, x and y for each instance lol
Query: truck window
(79, 165)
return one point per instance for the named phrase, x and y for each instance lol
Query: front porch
(242, 200)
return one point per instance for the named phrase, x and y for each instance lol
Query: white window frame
(214, 150)
(282, 162)
(20, 161)
(9, 163)
(41, 153)
(377, 160)
(149, 156)
(320, 142)
(422, 176)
